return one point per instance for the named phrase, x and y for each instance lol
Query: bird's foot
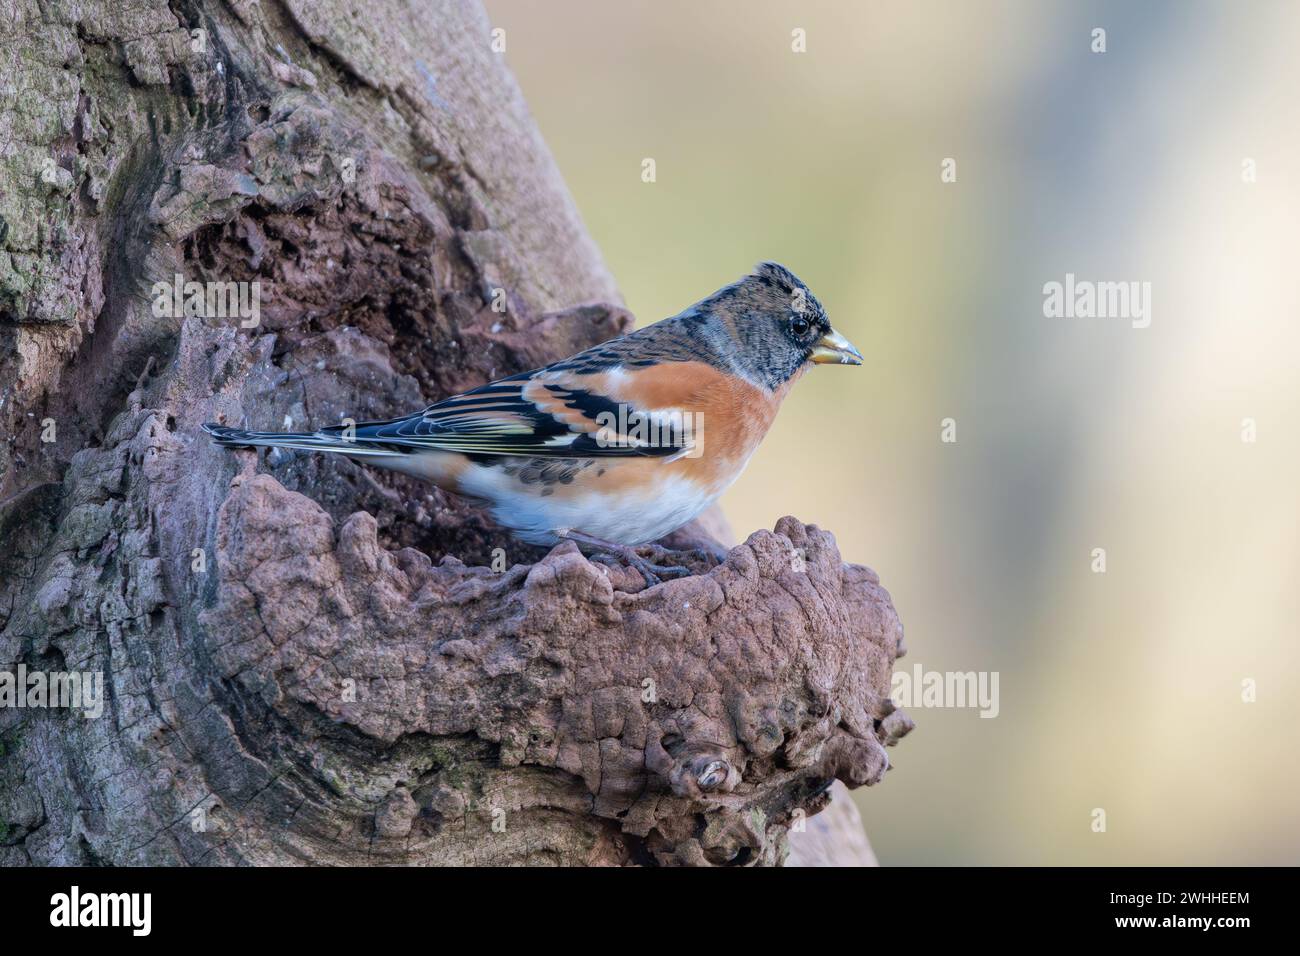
(653, 572)
(705, 556)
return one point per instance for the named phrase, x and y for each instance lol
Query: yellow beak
(834, 349)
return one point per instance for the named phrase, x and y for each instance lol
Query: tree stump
(306, 662)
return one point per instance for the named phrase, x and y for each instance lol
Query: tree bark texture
(307, 662)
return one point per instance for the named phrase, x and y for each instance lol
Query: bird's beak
(834, 349)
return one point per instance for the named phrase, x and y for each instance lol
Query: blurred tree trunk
(287, 675)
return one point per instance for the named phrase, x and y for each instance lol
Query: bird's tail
(333, 440)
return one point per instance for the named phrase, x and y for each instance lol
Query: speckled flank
(546, 472)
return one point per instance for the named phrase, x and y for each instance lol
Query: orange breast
(729, 416)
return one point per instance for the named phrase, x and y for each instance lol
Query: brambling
(618, 445)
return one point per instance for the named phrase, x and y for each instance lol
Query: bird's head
(773, 326)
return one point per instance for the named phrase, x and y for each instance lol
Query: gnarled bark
(290, 676)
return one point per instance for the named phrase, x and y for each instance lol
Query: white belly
(624, 516)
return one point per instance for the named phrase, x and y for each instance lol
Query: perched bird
(618, 445)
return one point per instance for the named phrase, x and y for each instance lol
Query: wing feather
(544, 414)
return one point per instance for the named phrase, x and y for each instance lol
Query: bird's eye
(799, 326)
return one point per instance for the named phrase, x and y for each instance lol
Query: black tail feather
(229, 437)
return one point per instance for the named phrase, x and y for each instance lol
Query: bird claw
(707, 557)
(651, 571)
(608, 550)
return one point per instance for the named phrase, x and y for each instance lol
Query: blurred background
(1120, 690)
